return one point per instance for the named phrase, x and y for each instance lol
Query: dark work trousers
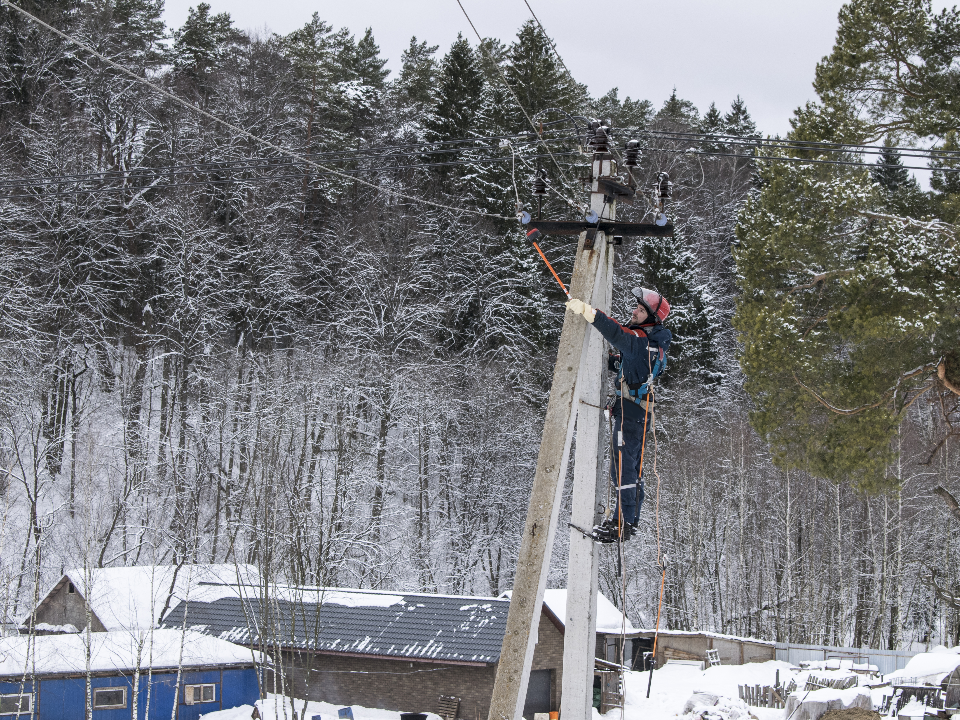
(627, 458)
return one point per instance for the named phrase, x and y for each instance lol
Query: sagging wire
(235, 128)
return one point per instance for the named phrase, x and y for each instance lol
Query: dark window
(193, 694)
(16, 704)
(71, 589)
(114, 697)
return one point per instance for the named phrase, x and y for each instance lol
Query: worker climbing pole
(575, 398)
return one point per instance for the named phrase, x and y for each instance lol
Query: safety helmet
(656, 305)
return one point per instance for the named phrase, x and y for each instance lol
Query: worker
(643, 344)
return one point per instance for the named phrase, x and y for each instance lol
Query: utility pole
(575, 389)
(580, 623)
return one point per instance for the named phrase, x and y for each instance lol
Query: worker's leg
(627, 463)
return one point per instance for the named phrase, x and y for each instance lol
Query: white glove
(581, 308)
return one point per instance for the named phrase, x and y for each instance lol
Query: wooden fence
(766, 696)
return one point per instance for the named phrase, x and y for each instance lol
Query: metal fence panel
(886, 660)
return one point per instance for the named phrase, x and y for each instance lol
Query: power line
(146, 173)
(231, 126)
(225, 181)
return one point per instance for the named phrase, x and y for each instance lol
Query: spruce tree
(678, 111)
(737, 121)
(898, 187)
(538, 79)
(945, 180)
(712, 124)
(628, 113)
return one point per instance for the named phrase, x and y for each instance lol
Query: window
(193, 694)
(111, 697)
(71, 589)
(16, 704)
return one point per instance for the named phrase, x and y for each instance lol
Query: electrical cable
(245, 133)
(42, 182)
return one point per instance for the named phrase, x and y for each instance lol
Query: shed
(125, 598)
(45, 677)
(396, 651)
(939, 668)
(692, 645)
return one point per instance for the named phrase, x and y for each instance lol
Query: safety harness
(637, 394)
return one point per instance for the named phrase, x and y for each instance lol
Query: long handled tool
(532, 236)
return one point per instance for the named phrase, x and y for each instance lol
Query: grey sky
(764, 50)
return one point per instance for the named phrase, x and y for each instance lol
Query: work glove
(581, 308)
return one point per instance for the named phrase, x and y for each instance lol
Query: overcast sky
(763, 50)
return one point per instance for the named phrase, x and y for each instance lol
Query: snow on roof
(609, 618)
(703, 633)
(117, 651)
(930, 667)
(124, 598)
(295, 594)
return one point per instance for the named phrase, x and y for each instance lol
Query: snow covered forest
(210, 352)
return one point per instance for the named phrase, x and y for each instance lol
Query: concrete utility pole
(516, 654)
(575, 389)
(580, 623)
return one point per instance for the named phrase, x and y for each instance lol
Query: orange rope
(551, 269)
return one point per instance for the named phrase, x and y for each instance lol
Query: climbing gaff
(532, 236)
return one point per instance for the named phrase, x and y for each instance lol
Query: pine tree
(367, 64)
(626, 114)
(417, 74)
(203, 40)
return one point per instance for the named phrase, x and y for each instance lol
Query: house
(612, 627)
(396, 651)
(45, 677)
(125, 598)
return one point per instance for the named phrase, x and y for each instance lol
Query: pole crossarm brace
(575, 227)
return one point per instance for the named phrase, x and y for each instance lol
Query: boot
(607, 531)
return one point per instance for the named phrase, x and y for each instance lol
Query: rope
(663, 567)
(240, 131)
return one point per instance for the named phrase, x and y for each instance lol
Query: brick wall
(405, 686)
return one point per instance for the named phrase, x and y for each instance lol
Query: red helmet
(655, 304)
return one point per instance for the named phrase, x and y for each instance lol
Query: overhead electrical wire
(245, 133)
(49, 182)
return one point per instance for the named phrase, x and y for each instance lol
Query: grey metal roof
(425, 627)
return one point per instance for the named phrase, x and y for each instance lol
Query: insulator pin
(540, 183)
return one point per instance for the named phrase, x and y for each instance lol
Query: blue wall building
(45, 677)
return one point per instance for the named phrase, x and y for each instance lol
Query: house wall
(65, 698)
(733, 651)
(61, 607)
(401, 685)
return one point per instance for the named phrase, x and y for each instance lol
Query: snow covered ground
(673, 685)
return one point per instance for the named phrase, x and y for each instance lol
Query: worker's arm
(626, 340)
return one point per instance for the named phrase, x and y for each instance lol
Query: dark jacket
(640, 345)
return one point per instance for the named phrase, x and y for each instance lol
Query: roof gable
(126, 598)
